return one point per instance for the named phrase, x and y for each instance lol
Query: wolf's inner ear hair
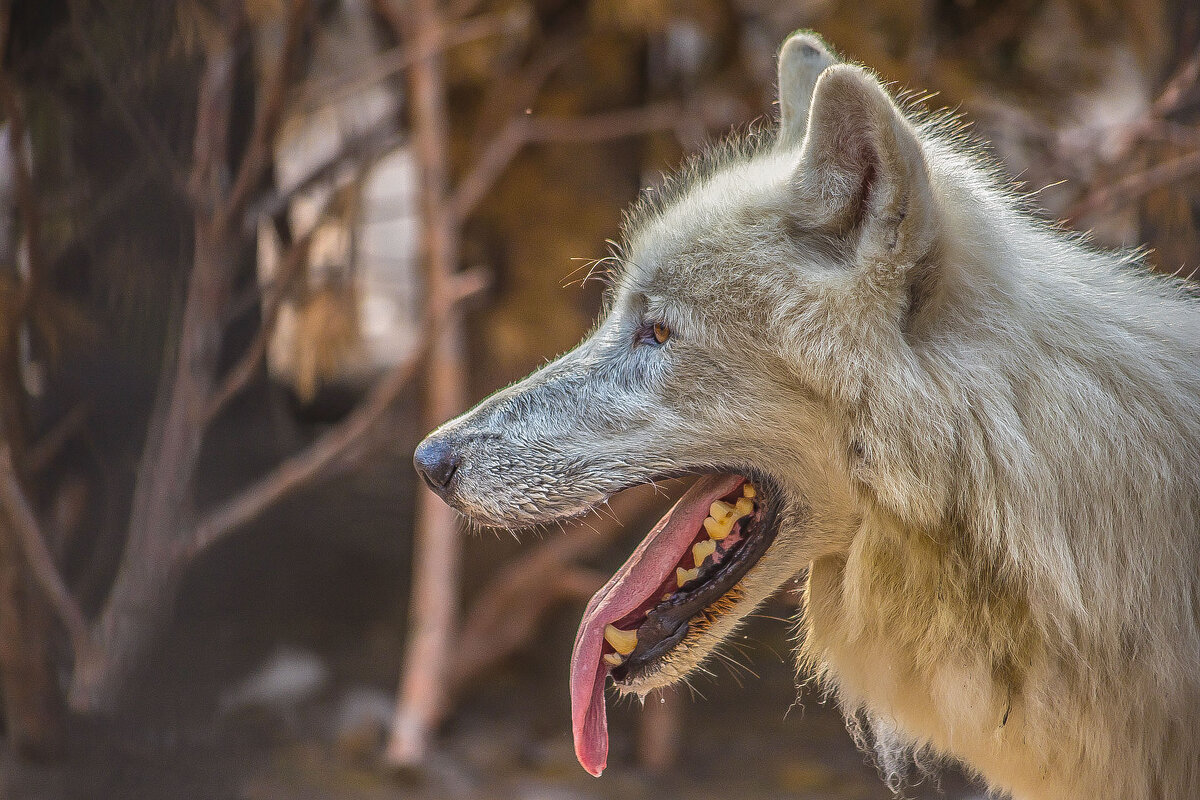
(862, 174)
(802, 59)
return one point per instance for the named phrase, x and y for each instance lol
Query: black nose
(436, 462)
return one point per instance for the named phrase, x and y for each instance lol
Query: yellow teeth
(682, 576)
(720, 511)
(718, 530)
(722, 515)
(702, 550)
(748, 490)
(623, 642)
(613, 659)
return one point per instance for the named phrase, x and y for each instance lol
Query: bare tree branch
(492, 163)
(27, 200)
(39, 455)
(1131, 187)
(291, 268)
(316, 460)
(1177, 86)
(41, 563)
(534, 582)
(520, 131)
(401, 57)
(362, 149)
(241, 373)
(269, 112)
(210, 146)
(513, 93)
(465, 284)
(139, 600)
(144, 132)
(468, 283)
(433, 615)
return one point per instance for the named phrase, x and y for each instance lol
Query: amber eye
(661, 333)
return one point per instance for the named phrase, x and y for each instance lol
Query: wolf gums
(976, 435)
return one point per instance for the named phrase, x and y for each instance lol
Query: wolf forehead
(727, 205)
(728, 224)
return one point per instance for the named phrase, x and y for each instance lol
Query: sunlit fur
(986, 434)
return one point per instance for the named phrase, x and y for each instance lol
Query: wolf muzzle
(437, 460)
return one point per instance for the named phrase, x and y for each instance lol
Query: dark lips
(669, 622)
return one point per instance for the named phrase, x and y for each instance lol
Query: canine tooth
(718, 530)
(682, 575)
(748, 490)
(744, 507)
(613, 659)
(720, 510)
(702, 550)
(623, 642)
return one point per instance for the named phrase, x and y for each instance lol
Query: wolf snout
(437, 460)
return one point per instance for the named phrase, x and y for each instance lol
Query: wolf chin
(977, 435)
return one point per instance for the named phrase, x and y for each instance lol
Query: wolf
(975, 436)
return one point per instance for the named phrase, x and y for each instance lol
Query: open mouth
(675, 584)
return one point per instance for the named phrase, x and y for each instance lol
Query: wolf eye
(654, 334)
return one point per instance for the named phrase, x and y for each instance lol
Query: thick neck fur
(1023, 593)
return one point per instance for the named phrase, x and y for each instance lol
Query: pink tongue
(654, 559)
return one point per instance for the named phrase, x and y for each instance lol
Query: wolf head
(762, 299)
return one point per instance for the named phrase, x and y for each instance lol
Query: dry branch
(437, 546)
(291, 268)
(1177, 86)
(27, 201)
(140, 599)
(512, 94)
(33, 718)
(534, 582)
(145, 133)
(1132, 187)
(319, 459)
(269, 112)
(37, 456)
(313, 462)
(521, 131)
(37, 554)
(401, 57)
(241, 373)
(361, 149)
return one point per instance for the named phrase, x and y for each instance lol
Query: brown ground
(510, 740)
(325, 575)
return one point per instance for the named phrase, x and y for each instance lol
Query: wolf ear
(802, 59)
(862, 171)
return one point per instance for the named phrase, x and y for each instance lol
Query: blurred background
(251, 250)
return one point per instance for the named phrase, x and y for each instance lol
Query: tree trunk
(437, 550)
(141, 599)
(33, 712)
(136, 612)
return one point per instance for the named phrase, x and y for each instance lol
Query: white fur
(985, 434)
